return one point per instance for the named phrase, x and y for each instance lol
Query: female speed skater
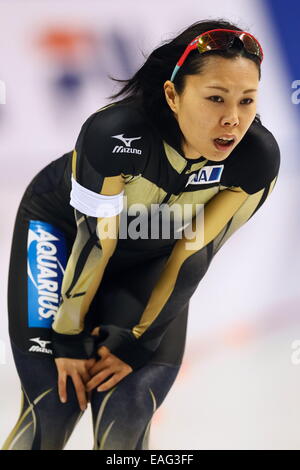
(102, 268)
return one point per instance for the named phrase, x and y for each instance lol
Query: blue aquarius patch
(46, 262)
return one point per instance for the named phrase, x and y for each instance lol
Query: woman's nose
(230, 120)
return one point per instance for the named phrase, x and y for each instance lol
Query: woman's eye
(250, 100)
(219, 99)
(212, 98)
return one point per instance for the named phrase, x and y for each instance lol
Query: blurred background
(238, 387)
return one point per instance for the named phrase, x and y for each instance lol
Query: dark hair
(147, 83)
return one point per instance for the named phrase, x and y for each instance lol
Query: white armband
(96, 205)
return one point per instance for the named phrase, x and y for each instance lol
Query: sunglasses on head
(220, 39)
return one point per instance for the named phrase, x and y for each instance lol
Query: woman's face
(205, 112)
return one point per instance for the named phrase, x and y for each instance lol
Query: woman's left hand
(108, 365)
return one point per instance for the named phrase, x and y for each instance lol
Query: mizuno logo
(41, 347)
(207, 175)
(127, 141)
(41, 342)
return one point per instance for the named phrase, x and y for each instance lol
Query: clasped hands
(108, 365)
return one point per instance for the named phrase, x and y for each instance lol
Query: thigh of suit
(122, 415)
(44, 423)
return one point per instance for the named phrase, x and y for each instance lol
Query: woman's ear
(171, 95)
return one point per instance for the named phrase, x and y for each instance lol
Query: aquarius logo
(46, 261)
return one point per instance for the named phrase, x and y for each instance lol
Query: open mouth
(223, 144)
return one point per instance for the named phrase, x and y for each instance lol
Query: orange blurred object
(67, 42)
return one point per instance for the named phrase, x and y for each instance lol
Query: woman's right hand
(78, 369)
